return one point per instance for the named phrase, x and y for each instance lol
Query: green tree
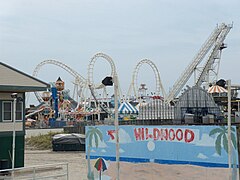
(97, 134)
(222, 133)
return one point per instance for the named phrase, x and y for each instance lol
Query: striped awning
(217, 89)
(127, 108)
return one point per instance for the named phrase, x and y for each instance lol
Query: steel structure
(93, 87)
(195, 105)
(214, 42)
(79, 80)
(134, 84)
(209, 73)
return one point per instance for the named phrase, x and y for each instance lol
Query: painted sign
(196, 145)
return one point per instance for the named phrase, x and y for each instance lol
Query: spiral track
(134, 84)
(93, 87)
(79, 80)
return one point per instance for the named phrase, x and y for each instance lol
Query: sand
(77, 164)
(153, 171)
(128, 171)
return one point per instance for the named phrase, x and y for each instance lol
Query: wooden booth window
(19, 111)
(7, 110)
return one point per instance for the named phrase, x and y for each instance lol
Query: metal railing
(57, 171)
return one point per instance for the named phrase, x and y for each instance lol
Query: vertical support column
(116, 123)
(55, 100)
(14, 136)
(238, 106)
(229, 131)
(67, 172)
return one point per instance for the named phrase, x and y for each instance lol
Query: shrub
(42, 141)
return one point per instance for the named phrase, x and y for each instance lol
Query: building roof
(13, 80)
(127, 108)
(59, 79)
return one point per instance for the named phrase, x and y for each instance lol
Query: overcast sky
(168, 32)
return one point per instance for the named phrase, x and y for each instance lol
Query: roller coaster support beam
(180, 83)
(211, 59)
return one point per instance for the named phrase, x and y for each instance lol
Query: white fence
(49, 171)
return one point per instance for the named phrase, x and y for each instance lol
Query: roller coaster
(204, 73)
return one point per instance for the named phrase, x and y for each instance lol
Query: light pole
(229, 130)
(109, 81)
(115, 80)
(14, 96)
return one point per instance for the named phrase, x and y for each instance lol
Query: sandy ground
(146, 171)
(76, 162)
(77, 167)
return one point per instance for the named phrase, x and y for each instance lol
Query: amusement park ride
(86, 91)
(211, 67)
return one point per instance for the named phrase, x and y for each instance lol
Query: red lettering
(189, 136)
(139, 134)
(171, 135)
(110, 133)
(146, 131)
(156, 134)
(142, 133)
(164, 134)
(179, 134)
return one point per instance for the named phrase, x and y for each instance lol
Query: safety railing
(48, 171)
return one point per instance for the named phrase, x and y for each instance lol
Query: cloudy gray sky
(168, 32)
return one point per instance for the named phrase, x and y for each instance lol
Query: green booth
(13, 87)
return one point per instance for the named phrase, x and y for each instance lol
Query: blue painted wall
(196, 145)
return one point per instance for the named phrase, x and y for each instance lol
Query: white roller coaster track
(134, 83)
(79, 80)
(91, 85)
(214, 40)
(213, 61)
